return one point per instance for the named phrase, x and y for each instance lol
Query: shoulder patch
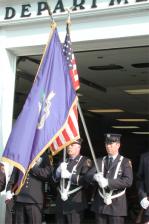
(50, 159)
(2, 169)
(130, 163)
(89, 162)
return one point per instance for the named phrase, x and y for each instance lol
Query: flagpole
(88, 137)
(68, 22)
(64, 155)
(64, 160)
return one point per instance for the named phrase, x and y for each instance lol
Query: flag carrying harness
(108, 196)
(65, 191)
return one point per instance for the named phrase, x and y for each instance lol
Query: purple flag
(45, 111)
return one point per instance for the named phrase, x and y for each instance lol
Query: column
(7, 86)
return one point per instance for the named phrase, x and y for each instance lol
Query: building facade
(24, 30)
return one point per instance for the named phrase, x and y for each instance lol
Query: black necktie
(110, 160)
(70, 164)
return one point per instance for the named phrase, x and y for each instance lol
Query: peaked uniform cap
(111, 137)
(78, 141)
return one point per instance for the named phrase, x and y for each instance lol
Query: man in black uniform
(71, 198)
(29, 202)
(2, 177)
(143, 185)
(115, 176)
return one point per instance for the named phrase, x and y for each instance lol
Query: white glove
(103, 182)
(9, 195)
(65, 174)
(64, 195)
(98, 176)
(39, 161)
(63, 166)
(144, 203)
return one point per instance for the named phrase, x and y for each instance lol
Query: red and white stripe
(69, 133)
(74, 74)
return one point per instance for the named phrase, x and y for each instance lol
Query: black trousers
(28, 213)
(108, 219)
(9, 214)
(71, 218)
(145, 219)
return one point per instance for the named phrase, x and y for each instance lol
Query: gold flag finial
(68, 19)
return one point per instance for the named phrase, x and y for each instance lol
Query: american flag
(68, 52)
(69, 133)
(71, 130)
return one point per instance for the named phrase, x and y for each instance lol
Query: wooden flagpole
(88, 137)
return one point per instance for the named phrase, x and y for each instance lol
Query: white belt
(113, 196)
(75, 190)
(72, 191)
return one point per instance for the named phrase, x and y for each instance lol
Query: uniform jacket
(2, 179)
(33, 189)
(123, 180)
(143, 178)
(76, 201)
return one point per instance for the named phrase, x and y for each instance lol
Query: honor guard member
(2, 177)
(29, 201)
(143, 186)
(109, 204)
(71, 198)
